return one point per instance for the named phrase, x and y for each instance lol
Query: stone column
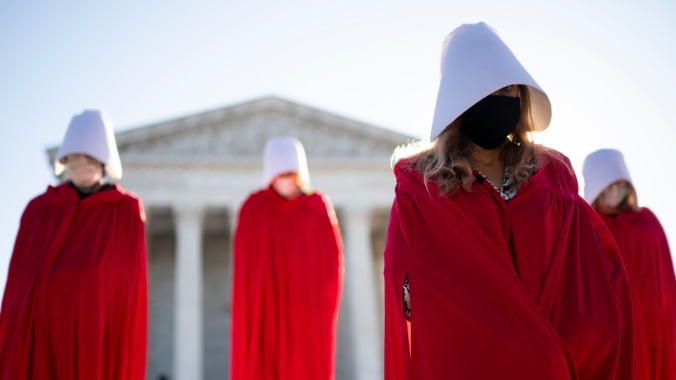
(188, 362)
(360, 288)
(232, 220)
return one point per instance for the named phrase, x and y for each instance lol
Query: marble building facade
(194, 172)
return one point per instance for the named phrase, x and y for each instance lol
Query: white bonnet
(91, 133)
(475, 62)
(601, 169)
(284, 154)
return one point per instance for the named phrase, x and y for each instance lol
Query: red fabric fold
(530, 289)
(288, 271)
(75, 303)
(645, 250)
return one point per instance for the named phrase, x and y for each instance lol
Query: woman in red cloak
(288, 271)
(75, 303)
(643, 244)
(495, 267)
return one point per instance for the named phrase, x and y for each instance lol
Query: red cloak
(646, 255)
(288, 270)
(75, 303)
(530, 289)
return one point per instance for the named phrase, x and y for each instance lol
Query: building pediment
(237, 134)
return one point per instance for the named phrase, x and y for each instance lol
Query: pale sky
(609, 68)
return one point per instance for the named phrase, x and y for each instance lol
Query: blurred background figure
(645, 250)
(288, 271)
(75, 304)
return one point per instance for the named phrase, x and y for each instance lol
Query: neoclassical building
(194, 172)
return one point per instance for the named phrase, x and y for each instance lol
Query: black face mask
(491, 120)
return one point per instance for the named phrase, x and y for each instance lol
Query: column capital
(189, 211)
(356, 211)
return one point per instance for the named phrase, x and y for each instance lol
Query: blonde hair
(446, 161)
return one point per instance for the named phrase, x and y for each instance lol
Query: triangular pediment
(240, 131)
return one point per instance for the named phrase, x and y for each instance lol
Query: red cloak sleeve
(645, 250)
(75, 303)
(530, 289)
(288, 270)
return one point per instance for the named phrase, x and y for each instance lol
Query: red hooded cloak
(646, 255)
(75, 303)
(530, 289)
(288, 269)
